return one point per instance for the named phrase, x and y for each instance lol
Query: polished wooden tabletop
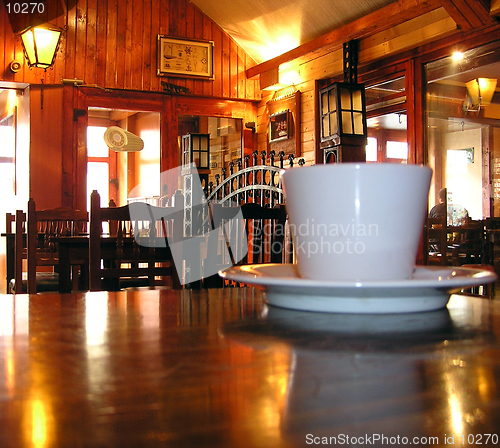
(218, 368)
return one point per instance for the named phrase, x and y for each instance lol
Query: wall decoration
(278, 126)
(185, 57)
(284, 122)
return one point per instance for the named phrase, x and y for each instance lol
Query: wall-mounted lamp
(480, 92)
(343, 114)
(40, 45)
(342, 108)
(250, 125)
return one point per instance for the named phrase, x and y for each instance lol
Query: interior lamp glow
(480, 92)
(40, 45)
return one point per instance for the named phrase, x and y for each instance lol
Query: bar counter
(219, 368)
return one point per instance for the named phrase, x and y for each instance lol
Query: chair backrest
(265, 229)
(10, 219)
(262, 227)
(250, 234)
(492, 235)
(469, 243)
(43, 226)
(20, 249)
(437, 241)
(136, 245)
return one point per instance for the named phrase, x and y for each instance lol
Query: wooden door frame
(78, 99)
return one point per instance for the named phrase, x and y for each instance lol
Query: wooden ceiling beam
(385, 18)
(468, 14)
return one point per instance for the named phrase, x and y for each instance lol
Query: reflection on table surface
(219, 368)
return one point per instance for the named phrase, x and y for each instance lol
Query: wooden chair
(492, 249)
(20, 253)
(255, 236)
(468, 243)
(43, 226)
(10, 232)
(10, 219)
(136, 249)
(437, 241)
(486, 291)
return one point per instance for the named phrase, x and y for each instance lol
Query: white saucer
(428, 289)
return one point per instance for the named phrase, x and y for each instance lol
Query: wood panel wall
(381, 51)
(112, 47)
(113, 44)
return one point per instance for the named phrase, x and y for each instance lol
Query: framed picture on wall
(185, 58)
(279, 128)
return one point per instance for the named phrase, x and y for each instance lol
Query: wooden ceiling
(308, 28)
(267, 28)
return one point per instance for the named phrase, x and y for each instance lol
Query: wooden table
(218, 368)
(74, 251)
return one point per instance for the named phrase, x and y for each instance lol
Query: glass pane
(346, 123)
(389, 127)
(98, 179)
(96, 147)
(324, 103)
(397, 150)
(326, 126)
(334, 129)
(371, 150)
(203, 143)
(196, 159)
(357, 100)
(195, 141)
(462, 136)
(7, 176)
(332, 100)
(386, 93)
(204, 160)
(345, 99)
(358, 123)
(7, 138)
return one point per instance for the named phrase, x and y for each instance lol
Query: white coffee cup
(356, 221)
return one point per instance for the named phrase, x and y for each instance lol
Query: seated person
(457, 215)
(439, 209)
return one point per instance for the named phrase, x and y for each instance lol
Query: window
(396, 150)
(8, 153)
(97, 164)
(387, 121)
(463, 135)
(371, 150)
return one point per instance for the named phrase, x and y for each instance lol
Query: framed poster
(278, 126)
(185, 57)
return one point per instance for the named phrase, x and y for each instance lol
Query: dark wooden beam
(468, 14)
(385, 18)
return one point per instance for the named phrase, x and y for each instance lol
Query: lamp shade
(481, 90)
(343, 114)
(40, 45)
